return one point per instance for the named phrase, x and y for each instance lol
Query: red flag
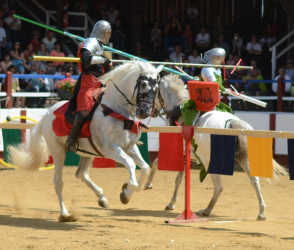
(171, 152)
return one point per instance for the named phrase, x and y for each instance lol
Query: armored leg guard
(72, 140)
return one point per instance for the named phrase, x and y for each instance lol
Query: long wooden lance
(104, 46)
(195, 65)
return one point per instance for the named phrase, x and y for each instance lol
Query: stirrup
(139, 143)
(72, 145)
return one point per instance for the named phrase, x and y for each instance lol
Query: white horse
(133, 82)
(171, 93)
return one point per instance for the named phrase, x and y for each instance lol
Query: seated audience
(5, 45)
(27, 52)
(5, 63)
(14, 26)
(195, 58)
(49, 40)
(238, 44)
(35, 40)
(113, 14)
(39, 85)
(192, 13)
(189, 38)
(17, 57)
(202, 41)
(173, 33)
(177, 56)
(222, 43)
(155, 36)
(118, 35)
(57, 52)
(230, 61)
(254, 49)
(269, 35)
(290, 68)
(282, 74)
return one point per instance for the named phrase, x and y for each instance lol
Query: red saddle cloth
(62, 128)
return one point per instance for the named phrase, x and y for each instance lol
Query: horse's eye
(144, 84)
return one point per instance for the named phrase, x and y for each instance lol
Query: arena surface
(29, 214)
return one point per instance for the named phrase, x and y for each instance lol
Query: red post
(280, 94)
(187, 216)
(8, 88)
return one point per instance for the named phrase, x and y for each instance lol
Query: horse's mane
(126, 68)
(177, 86)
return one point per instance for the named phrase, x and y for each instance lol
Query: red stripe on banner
(171, 152)
(103, 163)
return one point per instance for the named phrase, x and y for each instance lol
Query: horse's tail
(237, 124)
(32, 154)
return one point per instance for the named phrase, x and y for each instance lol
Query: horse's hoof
(124, 186)
(169, 208)
(103, 203)
(202, 212)
(148, 186)
(123, 198)
(261, 218)
(67, 218)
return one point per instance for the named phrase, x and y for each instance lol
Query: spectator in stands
(254, 49)
(5, 63)
(195, 58)
(188, 70)
(192, 13)
(17, 57)
(72, 70)
(155, 36)
(16, 88)
(230, 61)
(238, 44)
(2, 13)
(49, 40)
(138, 49)
(269, 34)
(290, 68)
(59, 72)
(202, 41)
(173, 33)
(103, 15)
(35, 41)
(78, 5)
(238, 74)
(57, 52)
(118, 35)
(282, 74)
(27, 52)
(50, 68)
(43, 50)
(14, 25)
(177, 56)
(189, 37)
(3, 39)
(39, 85)
(222, 43)
(113, 14)
(254, 65)
(100, 4)
(6, 5)
(255, 89)
(172, 10)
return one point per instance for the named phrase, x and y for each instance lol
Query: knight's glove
(107, 65)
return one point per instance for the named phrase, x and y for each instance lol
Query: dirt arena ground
(29, 214)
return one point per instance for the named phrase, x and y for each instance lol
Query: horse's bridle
(144, 97)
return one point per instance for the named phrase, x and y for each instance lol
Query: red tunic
(88, 84)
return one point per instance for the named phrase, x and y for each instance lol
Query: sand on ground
(29, 212)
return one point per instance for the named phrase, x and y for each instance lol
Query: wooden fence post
(8, 86)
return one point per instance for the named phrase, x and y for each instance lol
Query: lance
(104, 46)
(76, 59)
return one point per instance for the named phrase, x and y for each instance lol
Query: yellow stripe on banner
(260, 155)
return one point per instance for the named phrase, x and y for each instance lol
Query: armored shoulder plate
(93, 46)
(208, 74)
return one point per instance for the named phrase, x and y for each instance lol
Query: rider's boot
(72, 139)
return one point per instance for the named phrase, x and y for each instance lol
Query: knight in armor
(93, 65)
(214, 56)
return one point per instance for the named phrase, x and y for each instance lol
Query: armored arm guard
(91, 52)
(208, 75)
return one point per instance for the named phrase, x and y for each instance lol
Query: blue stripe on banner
(222, 155)
(291, 158)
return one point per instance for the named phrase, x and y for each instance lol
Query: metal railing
(273, 49)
